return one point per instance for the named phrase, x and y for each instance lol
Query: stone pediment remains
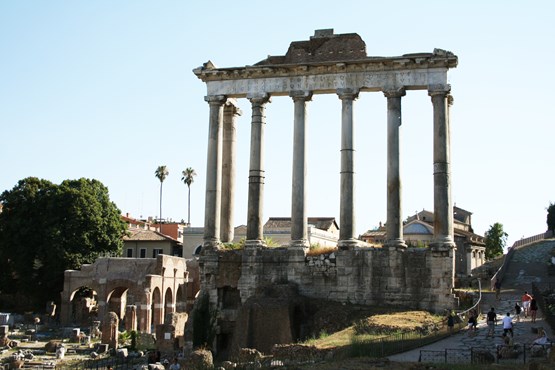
(324, 46)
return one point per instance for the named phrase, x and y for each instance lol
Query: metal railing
(501, 354)
(476, 305)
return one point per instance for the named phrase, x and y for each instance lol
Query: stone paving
(527, 266)
(523, 333)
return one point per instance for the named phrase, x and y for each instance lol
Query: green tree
(551, 217)
(188, 179)
(495, 240)
(46, 229)
(161, 173)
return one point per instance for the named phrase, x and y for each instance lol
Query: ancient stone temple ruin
(328, 63)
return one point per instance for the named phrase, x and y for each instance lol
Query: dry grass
(376, 326)
(339, 339)
(403, 321)
(320, 250)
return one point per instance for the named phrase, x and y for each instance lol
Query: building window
(143, 253)
(156, 252)
(129, 252)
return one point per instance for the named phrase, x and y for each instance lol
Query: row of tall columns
(220, 174)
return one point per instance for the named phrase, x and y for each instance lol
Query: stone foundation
(411, 278)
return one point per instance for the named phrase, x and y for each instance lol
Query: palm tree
(161, 173)
(187, 178)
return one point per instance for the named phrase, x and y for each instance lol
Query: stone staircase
(529, 264)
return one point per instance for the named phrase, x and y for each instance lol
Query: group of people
(529, 304)
(529, 307)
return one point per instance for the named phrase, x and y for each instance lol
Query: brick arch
(139, 283)
(157, 307)
(82, 307)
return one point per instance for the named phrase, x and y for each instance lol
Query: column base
(348, 244)
(443, 244)
(211, 244)
(395, 243)
(255, 243)
(299, 244)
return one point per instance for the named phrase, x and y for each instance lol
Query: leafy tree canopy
(495, 240)
(551, 217)
(46, 229)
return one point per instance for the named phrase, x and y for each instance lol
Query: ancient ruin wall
(415, 278)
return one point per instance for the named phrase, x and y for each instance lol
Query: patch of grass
(383, 334)
(316, 250)
(270, 243)
(325, 340)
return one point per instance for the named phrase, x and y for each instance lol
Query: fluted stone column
(255, 235)
(394, 224)
(213, 172)
(347, 237)
(299, 223)
(231, 111)
(443, 206)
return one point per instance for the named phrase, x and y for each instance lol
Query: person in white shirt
(508, 324)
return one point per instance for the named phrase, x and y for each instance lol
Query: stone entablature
(410, 71)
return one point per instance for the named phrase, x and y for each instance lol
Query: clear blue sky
(105, 90)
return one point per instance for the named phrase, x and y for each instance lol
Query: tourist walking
(472, 323)
(508, 324)
(526, 298)
(450, 322)
(533, 309)
(491, 321)
(518, 311)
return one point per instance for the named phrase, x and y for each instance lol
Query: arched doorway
(84, 306)
(157, 308)
(117, 300)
